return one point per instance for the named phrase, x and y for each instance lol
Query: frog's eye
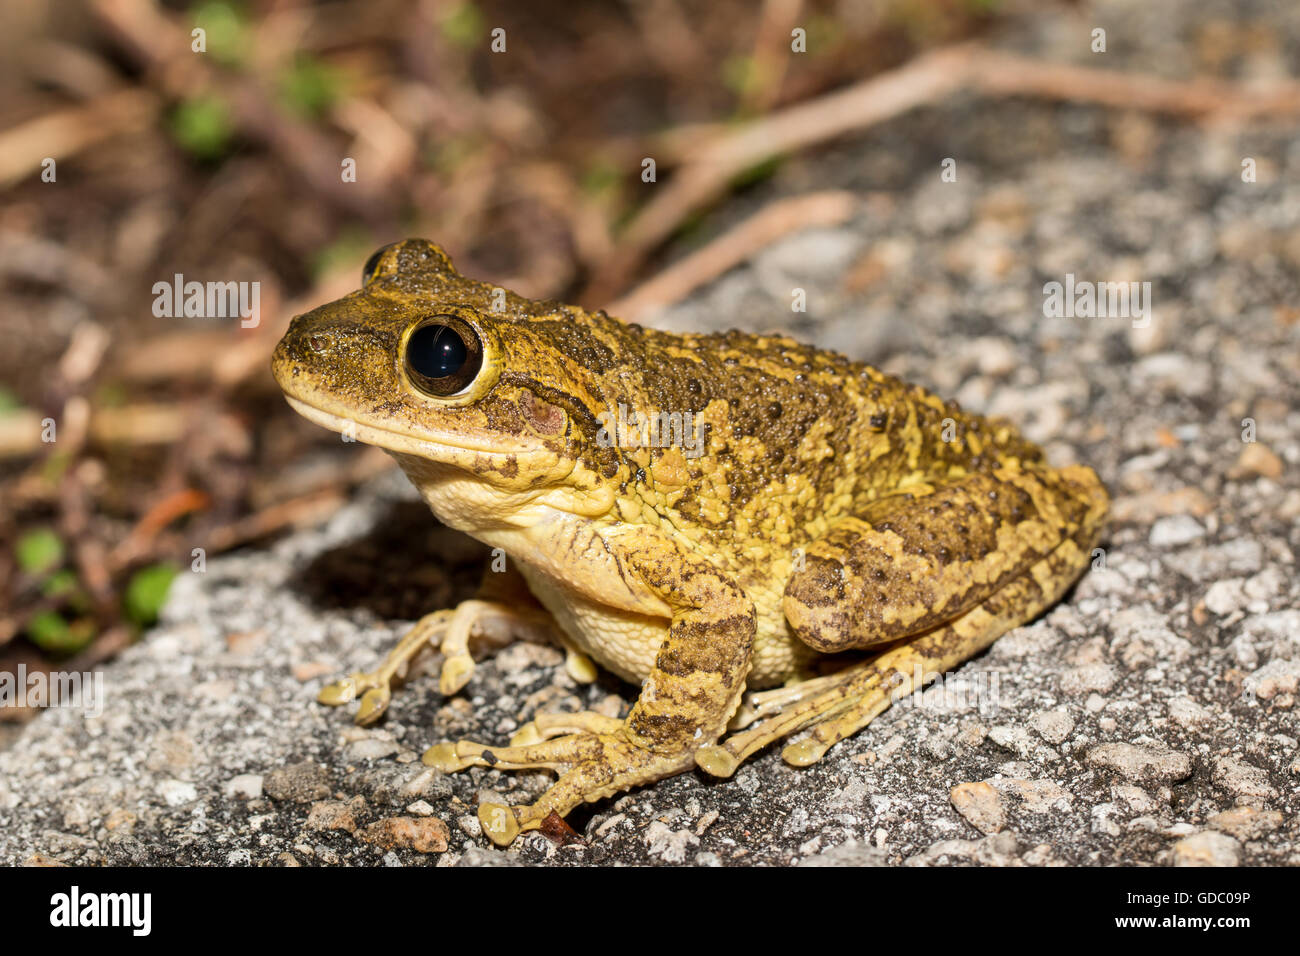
(368, 270)
(443, 355)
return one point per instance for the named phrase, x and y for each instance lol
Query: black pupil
(436, 351)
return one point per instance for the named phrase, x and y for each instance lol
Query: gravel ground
(1148, 719)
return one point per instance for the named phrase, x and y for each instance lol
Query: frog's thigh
(911, 562)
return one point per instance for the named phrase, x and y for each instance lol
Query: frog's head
(488, 400)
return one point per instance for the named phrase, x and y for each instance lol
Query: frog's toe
(374, 691)
(456, 672)
(579, 666)
(558, 753)
(346, 690)
(373, 705)
(613, 764)
(545, 726)
(499, 823)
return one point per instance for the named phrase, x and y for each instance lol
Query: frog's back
(798, 436)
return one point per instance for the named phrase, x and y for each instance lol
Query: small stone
(1187, 713)
(1089, 677)
(854, 853)
(1281, 628)
(1246, 823)
(1256, 460)
(310, 670)
(1242, 779)
(1054, 726)
(994, 356)
(1015, 739)
(420, 808)
(1175, 530)
(1225, 597)
(1143, 638)
(331, 815)
(245, 643)
(523, 657)
(996, 849)
(981, 806)
(303, 782)
(421, 834)
(247, 786)
(1102, 820)
(371, 748)
(1140, 764)
(1135, 798)
(1035, 796)
(177, 793)
(668, 844)
(120, 819)
(1206, 848)
(1280, 676)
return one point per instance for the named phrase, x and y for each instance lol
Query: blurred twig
(708, 170)
(732, 248)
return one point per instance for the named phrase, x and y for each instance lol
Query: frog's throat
(394, 441)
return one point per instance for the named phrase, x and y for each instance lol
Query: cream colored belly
(626, 643)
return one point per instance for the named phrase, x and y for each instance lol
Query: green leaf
(740, 74)
(462, 25)
(310, 87)
(60, 584)
(51, 633)
(39, 551)
(203, 127)
(146, 593)
(602, 176)
(226, 28)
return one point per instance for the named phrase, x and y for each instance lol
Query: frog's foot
(491, 626)
(592, 766)
(756, 705)
(375, 687)
(865, 688)
(545, 726)
(487, 624)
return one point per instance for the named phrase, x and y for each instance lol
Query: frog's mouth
(445, 447)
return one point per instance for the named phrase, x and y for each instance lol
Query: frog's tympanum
(769, 539)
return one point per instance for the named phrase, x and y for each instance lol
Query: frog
(771, 541)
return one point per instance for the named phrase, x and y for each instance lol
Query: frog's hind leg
(910, 666)
(911, 562)
(846, 702)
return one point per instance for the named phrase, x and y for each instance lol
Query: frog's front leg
(503, 612)
(685, 702)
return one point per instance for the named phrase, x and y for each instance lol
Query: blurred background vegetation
(225, 165)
